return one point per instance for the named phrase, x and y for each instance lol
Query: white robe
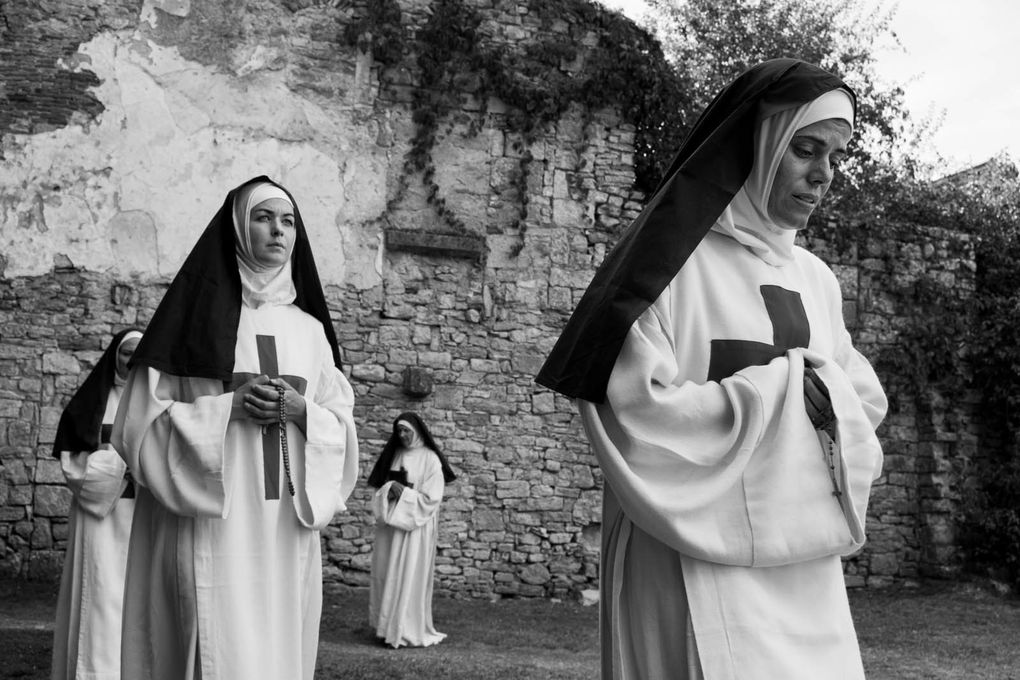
(86, 635)
(223, 583)
(404, 553)
(722, 535)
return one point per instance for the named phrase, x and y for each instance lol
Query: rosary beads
(832, 468)
(283, 437)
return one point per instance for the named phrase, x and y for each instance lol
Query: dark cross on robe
(270, 366)
(790, 329)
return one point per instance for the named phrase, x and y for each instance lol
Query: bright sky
(957, 59)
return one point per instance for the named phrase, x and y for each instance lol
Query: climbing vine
(957, 343)
(456, 54)
(378, 31)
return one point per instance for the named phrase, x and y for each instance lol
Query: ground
(932, 631)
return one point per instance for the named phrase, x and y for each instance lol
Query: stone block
(45, 565)
(543, 402)
(569, 213)
(21, 434)
(535, 574)
(48, 471)
(52, 501)
(885, 564)
(513, 489)
(60, 363)
(439, 360)
(488, 520)
(42, 537)
(368, 372)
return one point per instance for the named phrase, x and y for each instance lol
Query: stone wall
(186, 100)
(930, 442)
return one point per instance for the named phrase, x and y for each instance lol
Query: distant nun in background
(86, 635)
(410, 477)
(731, 415)
(241, 437)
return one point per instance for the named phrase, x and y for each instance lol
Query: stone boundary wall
(523, 518)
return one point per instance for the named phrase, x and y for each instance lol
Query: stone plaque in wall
(417, 382)
(432, 243)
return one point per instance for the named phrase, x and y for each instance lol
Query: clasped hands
(818, 404)
(258, 401)
(396, 488)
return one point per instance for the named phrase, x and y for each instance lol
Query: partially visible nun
(410, 476)
(732, 417)
(242, 441)
(86, 635)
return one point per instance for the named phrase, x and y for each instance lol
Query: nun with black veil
(237, 424)
(410, 477)
(730, 413)
(86, 634)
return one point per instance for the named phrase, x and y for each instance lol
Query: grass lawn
(937, 631)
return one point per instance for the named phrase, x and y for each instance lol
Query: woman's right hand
(817, 403)
(396, 488)
(253, 401)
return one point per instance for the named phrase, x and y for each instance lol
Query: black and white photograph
(509, 340)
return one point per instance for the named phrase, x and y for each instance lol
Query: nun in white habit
(241, 438)
(86, 634)
(410, 476)
(735, 424)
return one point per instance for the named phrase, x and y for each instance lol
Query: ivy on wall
(457, 54)
(958, 342)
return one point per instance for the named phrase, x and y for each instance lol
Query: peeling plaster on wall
(133, 239)
(174, 137)
(45, 86)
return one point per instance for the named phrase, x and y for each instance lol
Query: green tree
(712, 42)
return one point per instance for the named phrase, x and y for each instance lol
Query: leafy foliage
(985, 202)
(992, 521)
(378, 31)
(713, 42)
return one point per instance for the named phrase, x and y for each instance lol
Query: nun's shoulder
(301, 322)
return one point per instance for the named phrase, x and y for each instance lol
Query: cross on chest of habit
(790, 329)
(269, 365)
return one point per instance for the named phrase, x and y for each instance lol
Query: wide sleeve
(171, 433)
(731, 471)
(326, 467)
(96, 478)
(416, 506)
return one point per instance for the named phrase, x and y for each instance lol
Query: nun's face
(405, 433)
(272, 230)
(124, 353)
(805, 171)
